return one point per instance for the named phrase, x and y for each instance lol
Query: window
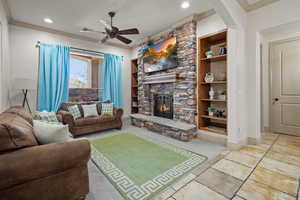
(84, 84)
(80, 72)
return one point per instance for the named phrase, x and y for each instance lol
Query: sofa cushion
(107, 109)
(93, 120)
(22, 112)
(47, 132)
(46, 116)
(15, 132)
(75, 112)
(64, 106)
(90, 110)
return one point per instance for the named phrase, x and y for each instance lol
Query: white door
(285, 87)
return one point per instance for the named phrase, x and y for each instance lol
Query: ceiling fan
(113, 32)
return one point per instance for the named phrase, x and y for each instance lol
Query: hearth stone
(167, 127)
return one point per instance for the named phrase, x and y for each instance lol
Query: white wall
(24, 60)
(273, 15)
(209, 25)
(4, 60)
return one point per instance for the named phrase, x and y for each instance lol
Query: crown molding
(62, 33)
(250, 7)
(7, 10)
(194, 17)
(204, 15)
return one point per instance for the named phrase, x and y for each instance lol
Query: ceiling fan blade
(123, 39)
(88, 30)
(105, 24)
(129, 31)
(104, 39)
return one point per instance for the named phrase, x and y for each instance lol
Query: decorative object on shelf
(222, 76)
(211, 111)
(222, 95)
(223, 51)
(220, 113)
(209, 77)
(209, 54)
(211, 93)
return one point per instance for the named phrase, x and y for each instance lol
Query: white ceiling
(149, 16)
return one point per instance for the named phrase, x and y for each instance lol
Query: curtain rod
(78, 49)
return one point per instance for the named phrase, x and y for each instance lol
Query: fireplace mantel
(162, 78)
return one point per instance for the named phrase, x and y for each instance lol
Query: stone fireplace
(167, 99)
(163, 106)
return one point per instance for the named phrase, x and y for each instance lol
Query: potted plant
(209, 54)
(211, 111)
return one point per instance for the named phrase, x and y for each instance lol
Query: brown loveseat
(29, 171)
(87, 125)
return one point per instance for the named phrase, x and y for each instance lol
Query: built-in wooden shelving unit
(218, 66)
(134, 86)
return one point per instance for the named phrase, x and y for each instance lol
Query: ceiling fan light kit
(112, 32)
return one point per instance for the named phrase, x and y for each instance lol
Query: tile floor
(269, 171)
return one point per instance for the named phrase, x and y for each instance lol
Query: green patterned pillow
(107, 109)
(74, 110)
(46, 116)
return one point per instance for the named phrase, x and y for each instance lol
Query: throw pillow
(47, 133)
(107, 109)
(74, 110)
(90, 110)
(46, 116)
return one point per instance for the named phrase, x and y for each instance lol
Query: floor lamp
(25, 85)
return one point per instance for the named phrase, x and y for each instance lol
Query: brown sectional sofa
(29, 171)
(87, 125)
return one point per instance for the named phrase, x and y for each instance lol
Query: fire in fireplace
(163, 105)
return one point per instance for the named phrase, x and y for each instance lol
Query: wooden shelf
(215, 82)
(213, 100)
(134, 86)
(213, 117)
(210, 129)
(218, 66)
(215, 58)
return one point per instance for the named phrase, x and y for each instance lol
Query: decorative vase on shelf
(209, 77)
(223, 51)
(211, 93)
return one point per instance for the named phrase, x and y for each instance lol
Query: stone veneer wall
(184, 91)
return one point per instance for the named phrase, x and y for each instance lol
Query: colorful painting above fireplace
(160, 56)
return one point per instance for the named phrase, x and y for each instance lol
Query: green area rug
(140, 167)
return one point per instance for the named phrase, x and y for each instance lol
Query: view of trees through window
(80, 72)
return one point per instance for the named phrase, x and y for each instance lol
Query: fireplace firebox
(163, 105)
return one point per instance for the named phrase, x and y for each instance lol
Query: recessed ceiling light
(48, 20)
(185, 4)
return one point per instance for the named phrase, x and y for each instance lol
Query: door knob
(275, 100)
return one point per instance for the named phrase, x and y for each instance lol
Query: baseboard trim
(254, 141)
(236, 146)
(267, 129)
(212, 137)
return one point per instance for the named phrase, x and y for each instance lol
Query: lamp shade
(25, 84)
